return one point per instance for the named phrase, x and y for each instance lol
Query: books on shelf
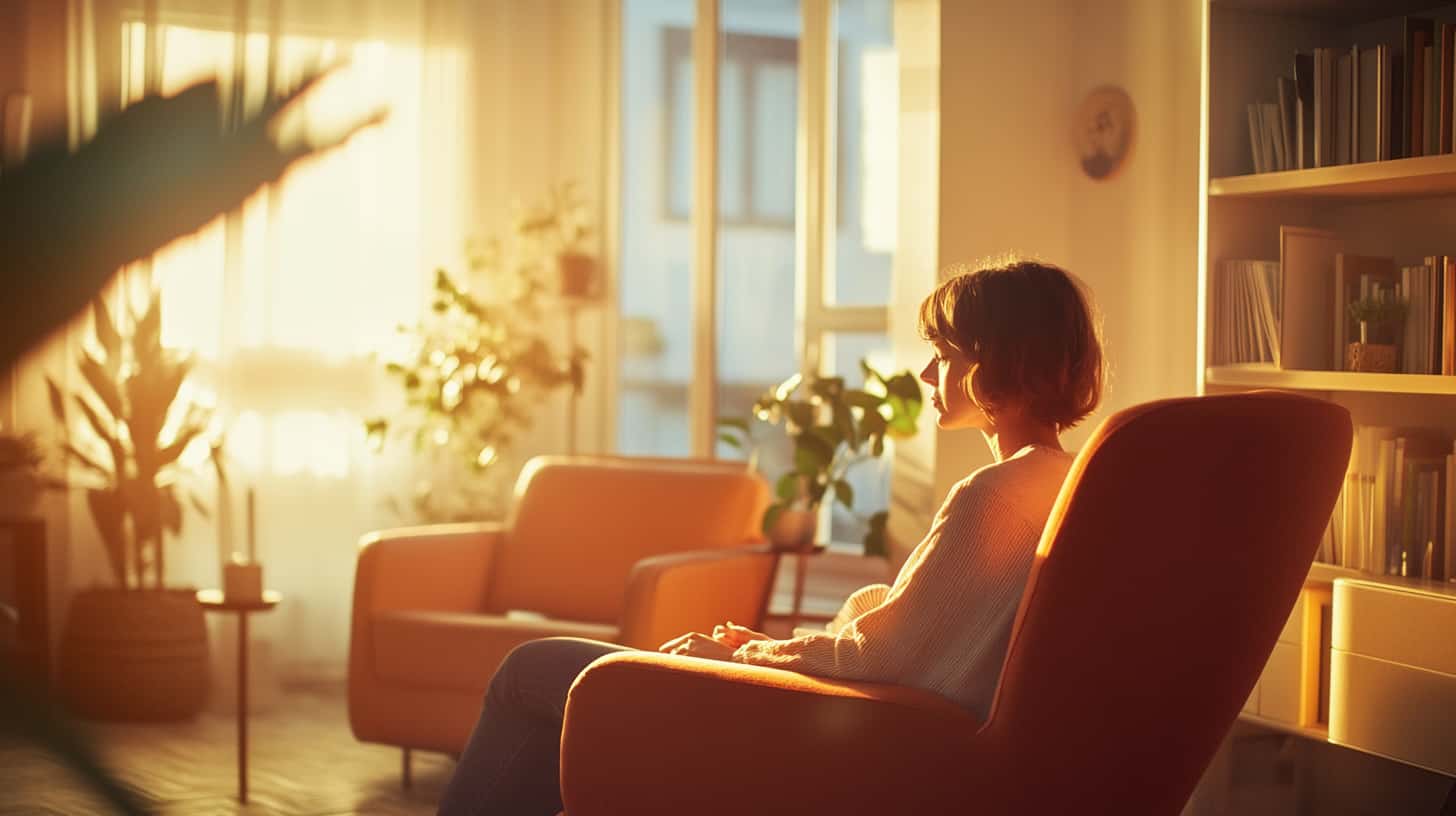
(1246, 328)
(1396, 513)
(1362, 102)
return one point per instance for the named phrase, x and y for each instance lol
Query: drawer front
(1401, 712)
(1412, 626)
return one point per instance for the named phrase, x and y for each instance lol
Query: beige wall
(1011, 75)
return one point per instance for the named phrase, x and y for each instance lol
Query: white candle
(252, 541)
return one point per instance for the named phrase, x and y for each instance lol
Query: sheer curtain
(285, 302)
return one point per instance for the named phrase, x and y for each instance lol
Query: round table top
(214, 599)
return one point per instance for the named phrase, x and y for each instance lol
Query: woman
(1017, 356)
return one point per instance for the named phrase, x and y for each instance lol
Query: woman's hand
(731, 634)
(697, 644)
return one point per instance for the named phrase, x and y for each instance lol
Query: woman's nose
(927, 374)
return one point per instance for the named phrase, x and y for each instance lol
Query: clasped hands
(720, 645)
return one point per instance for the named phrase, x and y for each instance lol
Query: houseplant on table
(831, 428)
(479, 365)
(22, 479)
(137, 650)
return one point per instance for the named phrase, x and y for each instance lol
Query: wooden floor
(303, 760)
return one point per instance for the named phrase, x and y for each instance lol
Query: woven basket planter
(134, 655)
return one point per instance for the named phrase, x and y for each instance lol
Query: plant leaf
(877, 539)
(86, 461)
(105, 431)
(771, 517)
(787, 487)
(812, 456)
(107, 510)
(106, 334)
(735, 422)
(800, 413)
(787, 387)
(862, 399)
(844, 492)
(57, 400)
(100, 380)
(731, 441)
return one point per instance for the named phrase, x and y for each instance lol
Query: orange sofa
(1171, 560)
(633, 551)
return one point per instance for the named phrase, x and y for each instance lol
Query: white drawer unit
(1393, 670)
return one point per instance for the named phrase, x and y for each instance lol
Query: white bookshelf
(1402, 208)
(1265, 375)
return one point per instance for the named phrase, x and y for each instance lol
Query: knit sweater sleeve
(861, 601)
(967, 567)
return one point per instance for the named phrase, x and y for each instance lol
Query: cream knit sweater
(946, 621)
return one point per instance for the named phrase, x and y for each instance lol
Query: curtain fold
(286, 301)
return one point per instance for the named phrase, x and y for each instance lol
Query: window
(777, 308)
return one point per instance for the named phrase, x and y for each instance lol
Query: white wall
(1011, 75)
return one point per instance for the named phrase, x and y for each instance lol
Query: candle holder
(242, 580)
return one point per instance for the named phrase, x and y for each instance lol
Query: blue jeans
(511, 766)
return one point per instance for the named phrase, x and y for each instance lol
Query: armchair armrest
(670, 594)
(651, 733)
(440, 567)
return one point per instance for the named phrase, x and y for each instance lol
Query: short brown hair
(1029, 328)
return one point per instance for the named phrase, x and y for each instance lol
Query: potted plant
(21, 479)
(477, 367)
(136, 650)
(1379, 321)
(831, 429)
(558, 229)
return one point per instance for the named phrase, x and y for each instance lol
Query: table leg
(800, 568)
(243, 707)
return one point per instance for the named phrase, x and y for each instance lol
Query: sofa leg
(406, 779)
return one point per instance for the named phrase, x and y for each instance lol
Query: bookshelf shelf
(1318, 734)
(1399, 178)
(1264, 375)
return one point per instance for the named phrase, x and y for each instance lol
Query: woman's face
(948, 372)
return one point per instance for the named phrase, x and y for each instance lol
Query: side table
(801, 571)
(213, 600)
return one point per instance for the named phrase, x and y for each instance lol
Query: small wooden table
(213, 600)
(801, 569)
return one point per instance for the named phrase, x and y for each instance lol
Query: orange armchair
(625, 550)
(1171, 560)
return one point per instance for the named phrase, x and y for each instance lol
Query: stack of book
(1361, 103)
(1397, 512)
(1246, 328)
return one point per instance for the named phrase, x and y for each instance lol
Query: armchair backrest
(579, 523)
(1172, 558)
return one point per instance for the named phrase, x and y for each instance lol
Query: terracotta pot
(794, 530)
(1370, 357)
(579, 278)
(134, 655)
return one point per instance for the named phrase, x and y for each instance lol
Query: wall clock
(1105, 130)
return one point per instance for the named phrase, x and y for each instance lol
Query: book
(1435, 308)
(1273, 144)
(1323, 75)
(1344, 107)
(1307, 272)
(1417, 33)
(1448, 317)
(1287, 124)
(1304, 109)
(1369, 102)
(1256, 137)
(1444, 83)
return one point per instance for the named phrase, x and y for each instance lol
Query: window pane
(870, 478)
(756, 288)
(656, 261)
(868, 111)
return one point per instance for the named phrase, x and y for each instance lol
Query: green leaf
(827, 387)
(731, 441)
(844, 424)
(877, 539)
(800, 413)
(735, 422)
(862, 399)
(771, 517)
(812, 456)
(787, 387)
(902, 417)
(787, 487)
(903, 385)
(871, 375)
(844, 492)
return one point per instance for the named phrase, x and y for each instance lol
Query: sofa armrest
(668, 595)
(439, 567)
(652, 733)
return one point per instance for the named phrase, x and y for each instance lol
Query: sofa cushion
(459, 650)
